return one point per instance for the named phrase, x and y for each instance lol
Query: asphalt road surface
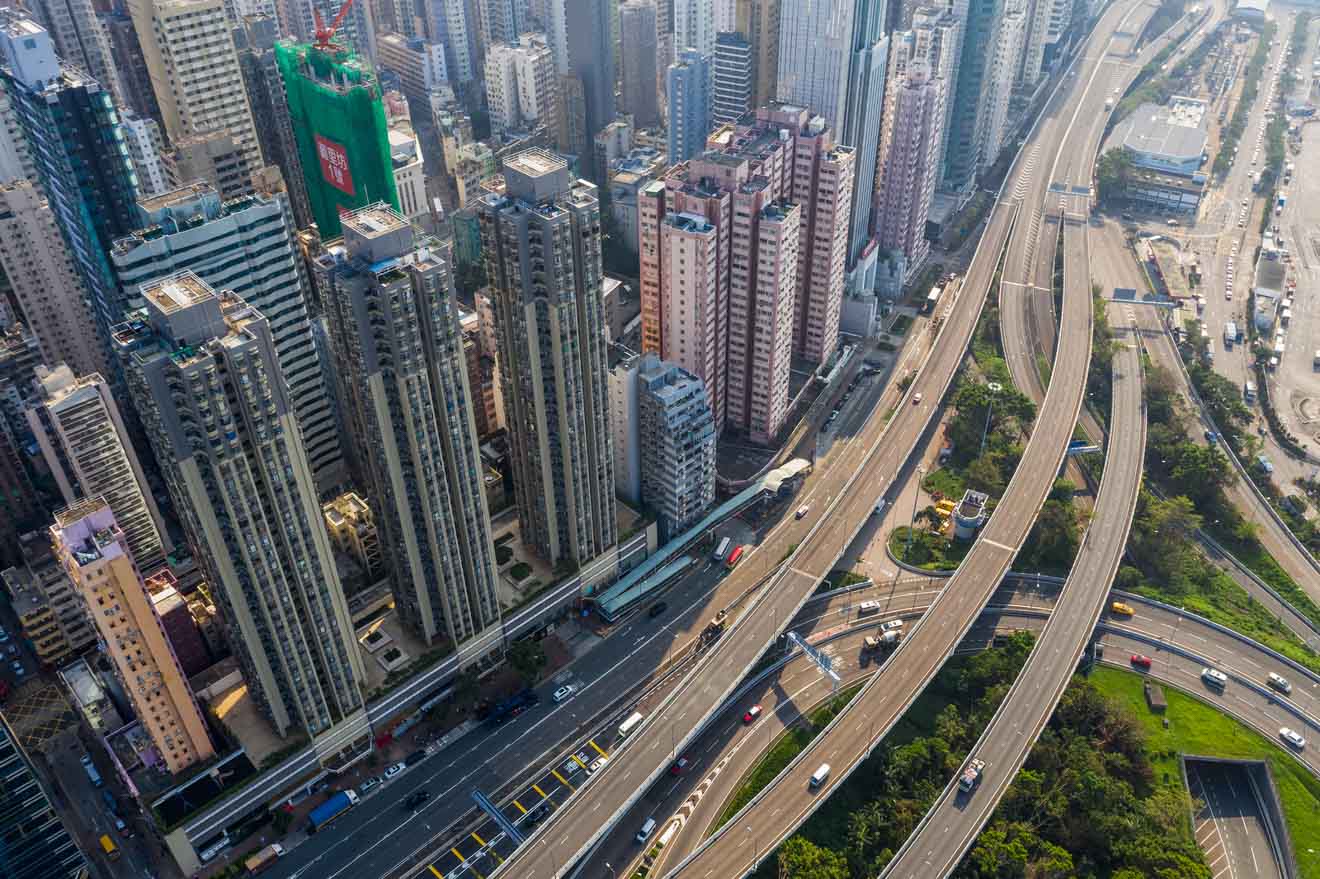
(889, 693)
(1230, 826)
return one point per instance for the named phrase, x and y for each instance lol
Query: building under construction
(340, 128)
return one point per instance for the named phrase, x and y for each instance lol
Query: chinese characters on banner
(334, 165)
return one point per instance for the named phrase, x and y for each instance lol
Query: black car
(416, 799)
(414, 758)
(656, 609)
(538, 813)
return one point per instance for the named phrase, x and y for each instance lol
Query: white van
(819, 776)
(645, 833)
(866, 608)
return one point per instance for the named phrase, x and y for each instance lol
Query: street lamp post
(612, 870)
(912, 523)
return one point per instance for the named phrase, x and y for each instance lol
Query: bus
(735, 557)
(1249, 392)
(722, 550)
(108, 846)
(626, 728)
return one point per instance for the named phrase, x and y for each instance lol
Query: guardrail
(1237, 464)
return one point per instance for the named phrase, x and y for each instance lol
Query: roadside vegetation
(1163, 559)
(1196, 728)
(1090, 802)
(1237, 123)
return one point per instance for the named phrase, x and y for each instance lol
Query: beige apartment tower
(85, 444)
(541, 239)
(204, 375)
(94, 552)
(188, 47)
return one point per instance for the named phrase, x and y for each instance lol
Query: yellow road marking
(464, 861)
(593, 744)
(438, 874)
(521, 810)
(578, 761)
(562, 780)
(480, 841)
(537, 788)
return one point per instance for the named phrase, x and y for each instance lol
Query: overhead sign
(334, 165)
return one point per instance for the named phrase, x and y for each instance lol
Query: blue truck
(331, 809)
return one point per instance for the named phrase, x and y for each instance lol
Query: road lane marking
(598, 748)
(521, 810)
(537, 788)
(437, 873)
(562, 780)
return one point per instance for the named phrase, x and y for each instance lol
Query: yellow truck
(109, 848)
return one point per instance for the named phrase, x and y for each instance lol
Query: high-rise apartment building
(833, 58)
(245, 246)
(189, 51)
(1006, 61)
(742, 253)
(909, 163)
(688, 88)
(453, 25)
(731, 91)
(38, 845)
(1047, 20)
(965, 139)
(935, 38)
(541, 240)
(297, 19)
(339, 125)
(522, 85)
(758, 22)
(582, 36)
(255, 42)
(638, 64)
(85, 444)
(126, 50)
(81, 40)
(76, 149)
(95, 553)
(694, 26)
(204, 375)
(408, 409)
(676, 431)
(44, 280)
(502, 21)
(146, 147)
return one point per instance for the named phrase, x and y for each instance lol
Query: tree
(1112, 174)
(800, 858)
(527, 658)
(931, 517)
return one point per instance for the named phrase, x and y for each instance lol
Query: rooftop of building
(176, 292)
(1152, 130)
(373, 220)
(694, 223)
(1271, 273)
(349, 505)
(87, 528)
(536, 163)
(25, 595)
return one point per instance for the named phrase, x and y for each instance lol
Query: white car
(1292, 737)
(17, 667)
(564, 692)
(1214, 677)
(394, 770)
(597, 764)
(892, 624)
(1280, 683)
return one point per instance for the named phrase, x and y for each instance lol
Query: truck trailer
(331, 809)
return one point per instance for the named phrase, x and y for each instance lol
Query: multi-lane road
(888, 694)
(840, 499)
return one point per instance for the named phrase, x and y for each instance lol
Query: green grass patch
(1263, 565)
(944, 481)
(933, 552)
(1196, 728)
(1043, 367)
(1223, 601)
(791, 743)
(520, 571)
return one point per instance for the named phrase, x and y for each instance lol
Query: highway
(951, 825)
(841, 496)
(888, 694)
(1230, 826)
(724, 754)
